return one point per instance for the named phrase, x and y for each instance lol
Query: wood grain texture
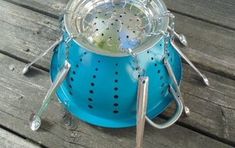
(9, 140)
(212, 46)
(21, 95)
(26, 34)
(219, 12)
(52, 8)
(212, 107)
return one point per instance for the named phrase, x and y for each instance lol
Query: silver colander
(110, 27)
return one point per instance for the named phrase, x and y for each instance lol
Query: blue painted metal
(102, 90)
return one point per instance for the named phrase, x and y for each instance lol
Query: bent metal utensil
(116, 64)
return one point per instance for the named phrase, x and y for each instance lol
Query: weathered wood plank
(212, 45)
(212, 108)
(220, 12)
(52, 8)
(21, 95)
(24, 32)
(9, 140)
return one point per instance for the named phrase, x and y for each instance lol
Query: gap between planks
(29, 93)
(11, 139)
(223, 65)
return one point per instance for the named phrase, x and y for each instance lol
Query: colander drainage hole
(116, 104)
(72, 79)
(90, 106)
(155, 65)
(90, 99)
(92, 84)
(94, 76)
(70, 86)
(152, 58)
(116, 89)
(70, 93)
(91, 92)
(115, 111)
(158, 71)
(116, 81)
(74, 72)
(116, 96)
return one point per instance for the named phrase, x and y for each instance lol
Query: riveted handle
(176, 115)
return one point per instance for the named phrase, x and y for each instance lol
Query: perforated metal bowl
(110, 27)
(114, 43)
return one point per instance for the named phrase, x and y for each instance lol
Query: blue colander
(116, 64)
(110, 45)
(102, 90)
(109, 48)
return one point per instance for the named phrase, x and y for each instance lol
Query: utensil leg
(35, 119)
(141, 109)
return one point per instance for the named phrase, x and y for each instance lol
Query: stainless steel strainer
(110, 27)
(117, 64)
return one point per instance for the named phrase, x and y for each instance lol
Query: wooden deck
(30, 26)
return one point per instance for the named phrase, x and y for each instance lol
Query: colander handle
(176, 115)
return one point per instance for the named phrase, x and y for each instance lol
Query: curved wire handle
(176, 115)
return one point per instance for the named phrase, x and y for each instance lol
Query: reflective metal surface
(27, 67)
(141, 110)
(35, 120)
(175, 117)
(109, 27)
